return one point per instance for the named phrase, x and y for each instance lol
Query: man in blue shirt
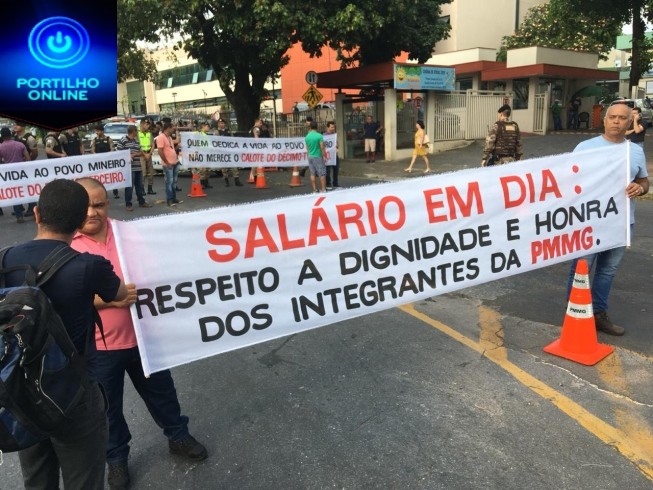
(371, 129)
(617, 121)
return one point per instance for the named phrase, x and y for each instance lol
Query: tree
(133, 61)
(557, 25)
(637, 12)
(245, 41)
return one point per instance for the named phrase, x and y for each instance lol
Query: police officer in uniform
(145, 139)
(223, 130)
(204, 172)
(53, 145)
(103, 144)
(503, 142)
(73, 143)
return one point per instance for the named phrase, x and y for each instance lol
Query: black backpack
(42, 376)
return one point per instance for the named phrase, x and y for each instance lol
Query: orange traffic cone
(578, 341)
(260, 178)
(196, 187)
(295, 180)
(251, 179)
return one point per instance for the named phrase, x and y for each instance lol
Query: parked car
(116, 130)
(643, 104)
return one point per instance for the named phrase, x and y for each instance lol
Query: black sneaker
(605, 325)
(171, 202)
(177, 201)
(118, 477)
(189, 448)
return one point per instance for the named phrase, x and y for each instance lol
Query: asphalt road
(449, 393)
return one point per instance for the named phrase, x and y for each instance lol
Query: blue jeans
(137, 183)
(332, 173)
(557, 123)
(158, 392)
(171, 175)
(572, 120)
(607, 264)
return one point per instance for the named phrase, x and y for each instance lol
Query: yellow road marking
(639, 456)
(627, 419)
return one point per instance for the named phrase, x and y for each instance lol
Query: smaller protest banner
(205, 150)
(21, 183)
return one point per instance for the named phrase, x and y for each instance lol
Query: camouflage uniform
(204, 172)
(503, 142)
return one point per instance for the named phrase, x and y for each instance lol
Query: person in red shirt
(120, 355)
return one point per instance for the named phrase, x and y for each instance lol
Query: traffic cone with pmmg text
(196, 187)
(578, 341)
(295, 180)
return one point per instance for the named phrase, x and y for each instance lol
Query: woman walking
(420, 148)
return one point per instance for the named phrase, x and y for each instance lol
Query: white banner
(206, 150)
(21, 183)
(217, 280)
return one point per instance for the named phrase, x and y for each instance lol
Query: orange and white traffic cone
(196, 187)
(251, 179)
(260, 178)
(578, 341)
(295, 180)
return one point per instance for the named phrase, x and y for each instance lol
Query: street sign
(312, 96)
(311, 77)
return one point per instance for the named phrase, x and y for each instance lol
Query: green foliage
(245, 41)
(557, 25)
(637, 12)
(370, 31)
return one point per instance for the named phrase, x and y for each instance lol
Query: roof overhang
(548, 71)
(378, 75)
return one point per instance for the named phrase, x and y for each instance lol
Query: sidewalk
(470, 156)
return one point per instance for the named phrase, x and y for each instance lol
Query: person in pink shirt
(120, 355)
(169, 162)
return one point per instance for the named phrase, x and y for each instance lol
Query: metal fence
(541, 113)
(466, 114)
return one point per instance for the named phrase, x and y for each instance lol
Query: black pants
(78, 450)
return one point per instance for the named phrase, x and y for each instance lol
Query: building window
(184, 75)
(445, 19)
(464, 83)
(520, 88)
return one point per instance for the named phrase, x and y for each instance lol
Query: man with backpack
(76, 447)
(120, 355)
(503, 142)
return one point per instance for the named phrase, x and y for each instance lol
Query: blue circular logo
(58, 42)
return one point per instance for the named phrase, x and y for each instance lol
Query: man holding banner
(617, 121)
(121, 355)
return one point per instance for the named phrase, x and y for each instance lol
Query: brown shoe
(605, 325)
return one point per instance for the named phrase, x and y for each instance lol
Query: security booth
(396, 95)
